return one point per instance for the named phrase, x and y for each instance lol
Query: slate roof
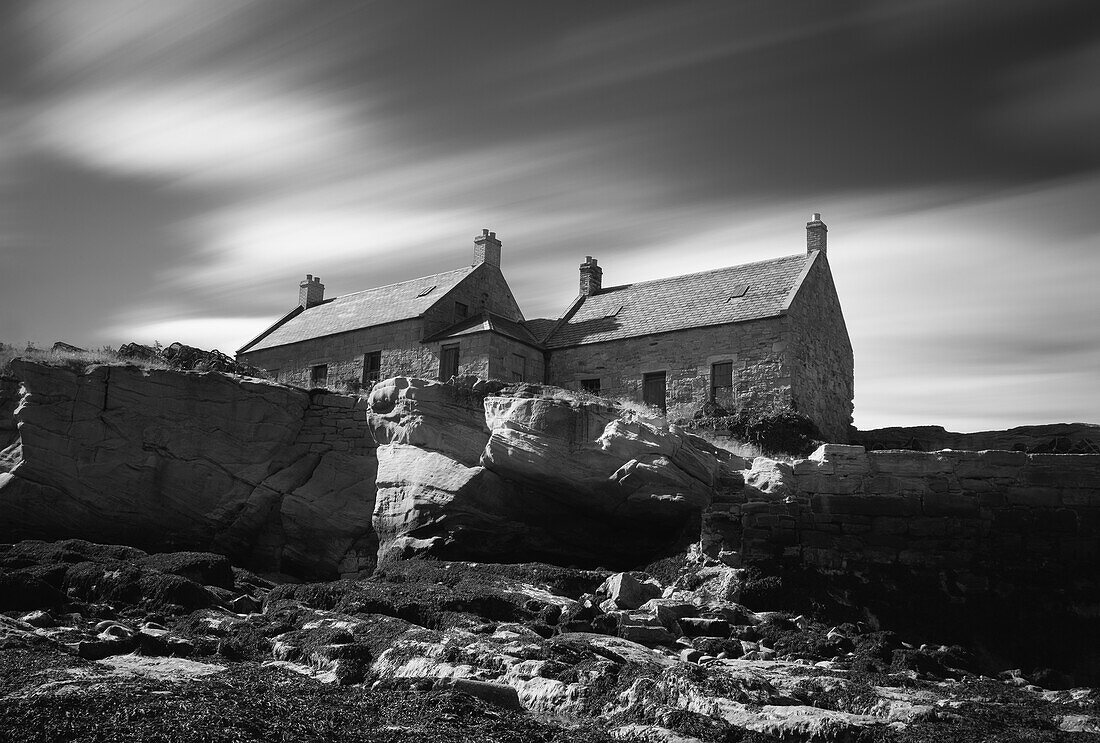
(539, 327)
(488, 321)
(682, 302)
(400, 301)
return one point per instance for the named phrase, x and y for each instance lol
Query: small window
(591, 385)
(519, 368)
(448, 362)
(372, 368)
(426, 291)
(461, 311)
(318, 375)
(721, 384)
(615, 311)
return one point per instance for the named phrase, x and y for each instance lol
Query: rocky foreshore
(105, 642)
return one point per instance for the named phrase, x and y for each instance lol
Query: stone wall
(963, 546)
(399, 342)
(977, 513)
(757, 349)
(820, 358)
(484, 289)
(489, 355)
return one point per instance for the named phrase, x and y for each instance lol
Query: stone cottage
(763, 333)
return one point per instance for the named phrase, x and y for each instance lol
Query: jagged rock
(768, 480)
(628, 592)
(548, 478)
(438, 417)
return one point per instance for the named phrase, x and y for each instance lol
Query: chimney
(816, 234)
(311, 292)
(487, 249)
(591, 277)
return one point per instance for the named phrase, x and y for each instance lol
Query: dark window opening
(591, 385)
(653, 390)
(318, 375)
(425, 292)
(721, 385)
(519, 368)
(372, 368)
(461, 311)
(448, 363)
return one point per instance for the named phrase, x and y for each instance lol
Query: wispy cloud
(201, 131)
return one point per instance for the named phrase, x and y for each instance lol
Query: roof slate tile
(682, 302)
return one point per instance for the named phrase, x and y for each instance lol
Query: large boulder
(555, 478)
(168, 460)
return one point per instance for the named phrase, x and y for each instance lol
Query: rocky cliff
(967, 545)
(166, 460)
(317, 484)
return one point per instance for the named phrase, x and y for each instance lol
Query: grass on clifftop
(75, 361)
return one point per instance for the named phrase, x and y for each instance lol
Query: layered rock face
(531, 473)
(161, 460)
(283, 480)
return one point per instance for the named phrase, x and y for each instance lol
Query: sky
(169, 171)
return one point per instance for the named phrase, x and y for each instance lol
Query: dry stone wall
(977, 513)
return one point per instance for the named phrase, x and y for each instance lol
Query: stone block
(909, 463)
(866, 505)
(949, 504)
(1034, 496)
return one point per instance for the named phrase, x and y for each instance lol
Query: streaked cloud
(169, 171)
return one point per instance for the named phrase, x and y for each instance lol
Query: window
(653, 390)
(591, 385)
(519, 368)
(461, 311)
(426, 291)
(372, 368)
(448, 363)
(318, 375)
(721, 384)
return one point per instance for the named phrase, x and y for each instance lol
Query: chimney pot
(591, 277)
(816, 234)
(487, 249)
(311, 292)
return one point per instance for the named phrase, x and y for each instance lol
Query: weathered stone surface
(628, 592)
(560, 479)
(430, 415)
(202, 461)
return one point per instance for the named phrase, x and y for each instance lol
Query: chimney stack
(487, 249)
(311, 292)
(816, 234)
(591, 277)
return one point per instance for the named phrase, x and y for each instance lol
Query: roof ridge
(398, 283)
(701, 273)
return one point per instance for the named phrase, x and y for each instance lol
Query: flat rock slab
(162, 669)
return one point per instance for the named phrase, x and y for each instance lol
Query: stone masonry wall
(761, 374)
(985, 516)
(489, 356)
(822, 367)
(484, 289)
(399, 342)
